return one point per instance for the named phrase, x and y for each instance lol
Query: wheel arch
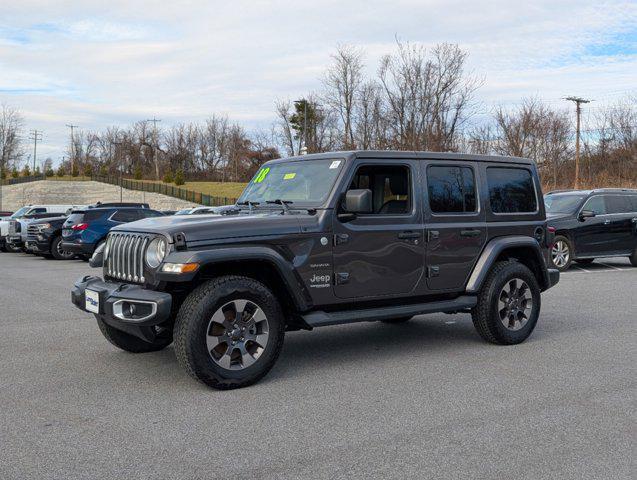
(525, 250)
(260, 263)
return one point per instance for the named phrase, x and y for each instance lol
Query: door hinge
(342, 278)
(432, 235)
(433, 271)
(341, 238)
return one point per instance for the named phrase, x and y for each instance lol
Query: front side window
(451, 189)
(307, 181)
(390, 187)
(511, 190)
(596, 204)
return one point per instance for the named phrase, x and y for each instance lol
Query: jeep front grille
(125, 260)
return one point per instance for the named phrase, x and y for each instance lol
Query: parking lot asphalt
(426, 399)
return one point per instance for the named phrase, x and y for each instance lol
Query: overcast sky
(96, 64)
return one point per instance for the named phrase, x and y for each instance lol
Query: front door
(454, 222)
(593, 236)
(380, 253)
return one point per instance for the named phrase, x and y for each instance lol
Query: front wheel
(562, 253)
(229, 332)
(508, 304)
(57, 252)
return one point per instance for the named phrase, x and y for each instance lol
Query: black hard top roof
(397, 154)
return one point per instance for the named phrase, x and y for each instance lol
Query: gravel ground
(426, 399)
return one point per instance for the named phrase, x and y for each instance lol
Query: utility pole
(578, 110)
(72, 147)
(35, 135)
(155, 145)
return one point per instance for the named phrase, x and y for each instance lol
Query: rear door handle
(606, 222)
(470, 233)
(408, 235)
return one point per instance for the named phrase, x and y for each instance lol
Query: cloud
(69, 62)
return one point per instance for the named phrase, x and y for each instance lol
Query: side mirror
(584, 214)
(358, 201)
(97, 259)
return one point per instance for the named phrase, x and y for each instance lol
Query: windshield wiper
(249, 204)
(283, 203)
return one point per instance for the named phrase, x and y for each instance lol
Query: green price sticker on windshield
(261, 175)
(289, 176)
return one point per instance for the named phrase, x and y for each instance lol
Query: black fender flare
(492, 251)
(293, 285)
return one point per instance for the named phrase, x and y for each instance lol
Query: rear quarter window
(511, 190)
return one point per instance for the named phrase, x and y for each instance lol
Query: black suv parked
(592, 224)
(326, 239)
(44, 238)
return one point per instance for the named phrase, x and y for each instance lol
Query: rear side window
(618, 204)
(511, 190)
(633, 203)
(126, 215)
(150, 214)
(451, 189)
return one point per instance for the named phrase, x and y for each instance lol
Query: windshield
(185, 211)
(301, 181)
(562, 203)
(20, 212)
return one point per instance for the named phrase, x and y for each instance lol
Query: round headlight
(156, 252)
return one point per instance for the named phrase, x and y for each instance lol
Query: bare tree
(11, 125)
(342, 83)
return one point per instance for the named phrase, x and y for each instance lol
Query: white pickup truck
(29, 210)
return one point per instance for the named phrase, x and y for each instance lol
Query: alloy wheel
(237, 334)
(515, 304)
(560, 254)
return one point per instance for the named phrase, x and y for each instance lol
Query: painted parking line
(580, 268)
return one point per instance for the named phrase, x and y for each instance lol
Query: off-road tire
(571, 251)
(633, 258)
(131, 343)
(485, 314)
(54, 250)
(192, 323)
(397, 320)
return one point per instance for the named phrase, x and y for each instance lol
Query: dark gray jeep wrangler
(322, 240)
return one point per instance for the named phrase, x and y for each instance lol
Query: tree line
(416, 99)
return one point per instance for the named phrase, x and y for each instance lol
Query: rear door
(380, 253)
(621, 223)
(455, 223)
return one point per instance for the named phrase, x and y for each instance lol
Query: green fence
(15, 181)
(164, 189)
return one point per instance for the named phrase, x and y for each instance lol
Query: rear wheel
(57, 252)
(508, 304)
(132, 344)
(562, 253)
(229, 332)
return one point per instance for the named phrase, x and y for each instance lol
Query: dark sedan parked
(592, 224)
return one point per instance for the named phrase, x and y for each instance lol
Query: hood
(50, 220)
(199, 228)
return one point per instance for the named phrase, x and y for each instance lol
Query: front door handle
(409, 235)
(606, 222)
(470, 233)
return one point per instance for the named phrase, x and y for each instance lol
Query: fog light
(179, 267)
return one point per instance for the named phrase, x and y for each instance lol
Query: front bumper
(78, 248)
(553, 276)
(37, 246)
(15, 241)
(114, 295)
